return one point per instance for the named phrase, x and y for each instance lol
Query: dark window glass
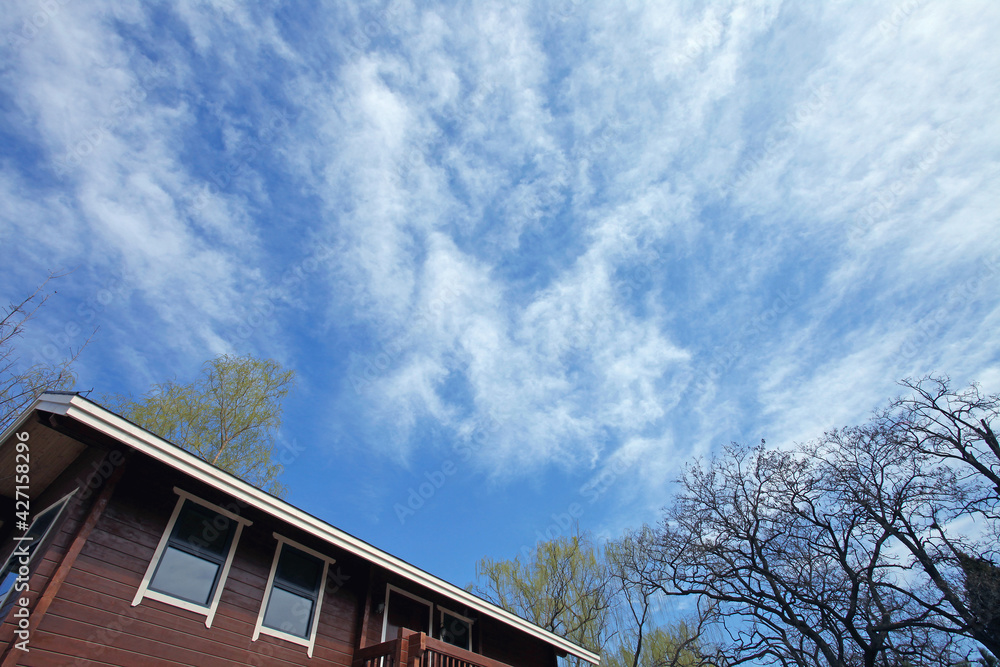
(299, 569)
(455, 631)
(8, 582)
(289, 612)
(202, 529)
(185, 576)
(191, 563)
(405, 612)
(292, 602)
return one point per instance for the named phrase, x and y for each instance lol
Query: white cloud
(607, 230)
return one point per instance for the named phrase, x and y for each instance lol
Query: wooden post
(417, 644)
(403, 648)
(11, 655)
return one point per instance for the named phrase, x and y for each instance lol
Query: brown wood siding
(93, 619)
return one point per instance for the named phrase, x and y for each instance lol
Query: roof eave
(87, 412)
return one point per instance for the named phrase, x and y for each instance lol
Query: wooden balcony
(415, 649)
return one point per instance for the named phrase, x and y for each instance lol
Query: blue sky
(526, 259)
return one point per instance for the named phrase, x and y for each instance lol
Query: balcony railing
(415, 649)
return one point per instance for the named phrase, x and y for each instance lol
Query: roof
(87, 412)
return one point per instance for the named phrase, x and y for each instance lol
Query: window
(294, 594)
(24, 550)
(196, 552)
(455, 629)
(292, 603)
(192, 560)
(404, 610)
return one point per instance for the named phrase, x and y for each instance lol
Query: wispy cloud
(611, 233)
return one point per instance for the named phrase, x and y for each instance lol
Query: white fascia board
(89, 413)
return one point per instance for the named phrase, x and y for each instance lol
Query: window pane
(289, 613)
(200, 527)
(185, 576)
(7, 588)
(455, 631)
(7, 583)
(42, 523)
(299, 569)
(405, 612)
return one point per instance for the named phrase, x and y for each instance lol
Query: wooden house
(120, 548)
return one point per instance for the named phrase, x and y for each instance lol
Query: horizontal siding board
(128, 531)
(110, 564)
(127, 630)
(67, 644)
(139, 518)
(233, 625)
(67, 629)
(68, 527)
(45, 567)
(93, 579)
(114, 613)
(48, 658)
(116, 550)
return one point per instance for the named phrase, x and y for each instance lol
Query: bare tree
(19, 384)
(643, 639)
(954, 426)
(926, 471)
(798, 578)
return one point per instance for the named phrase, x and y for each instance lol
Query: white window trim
(55, 520)
(445, 610)
(385, 610)
(209, 610)
(261, 629)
